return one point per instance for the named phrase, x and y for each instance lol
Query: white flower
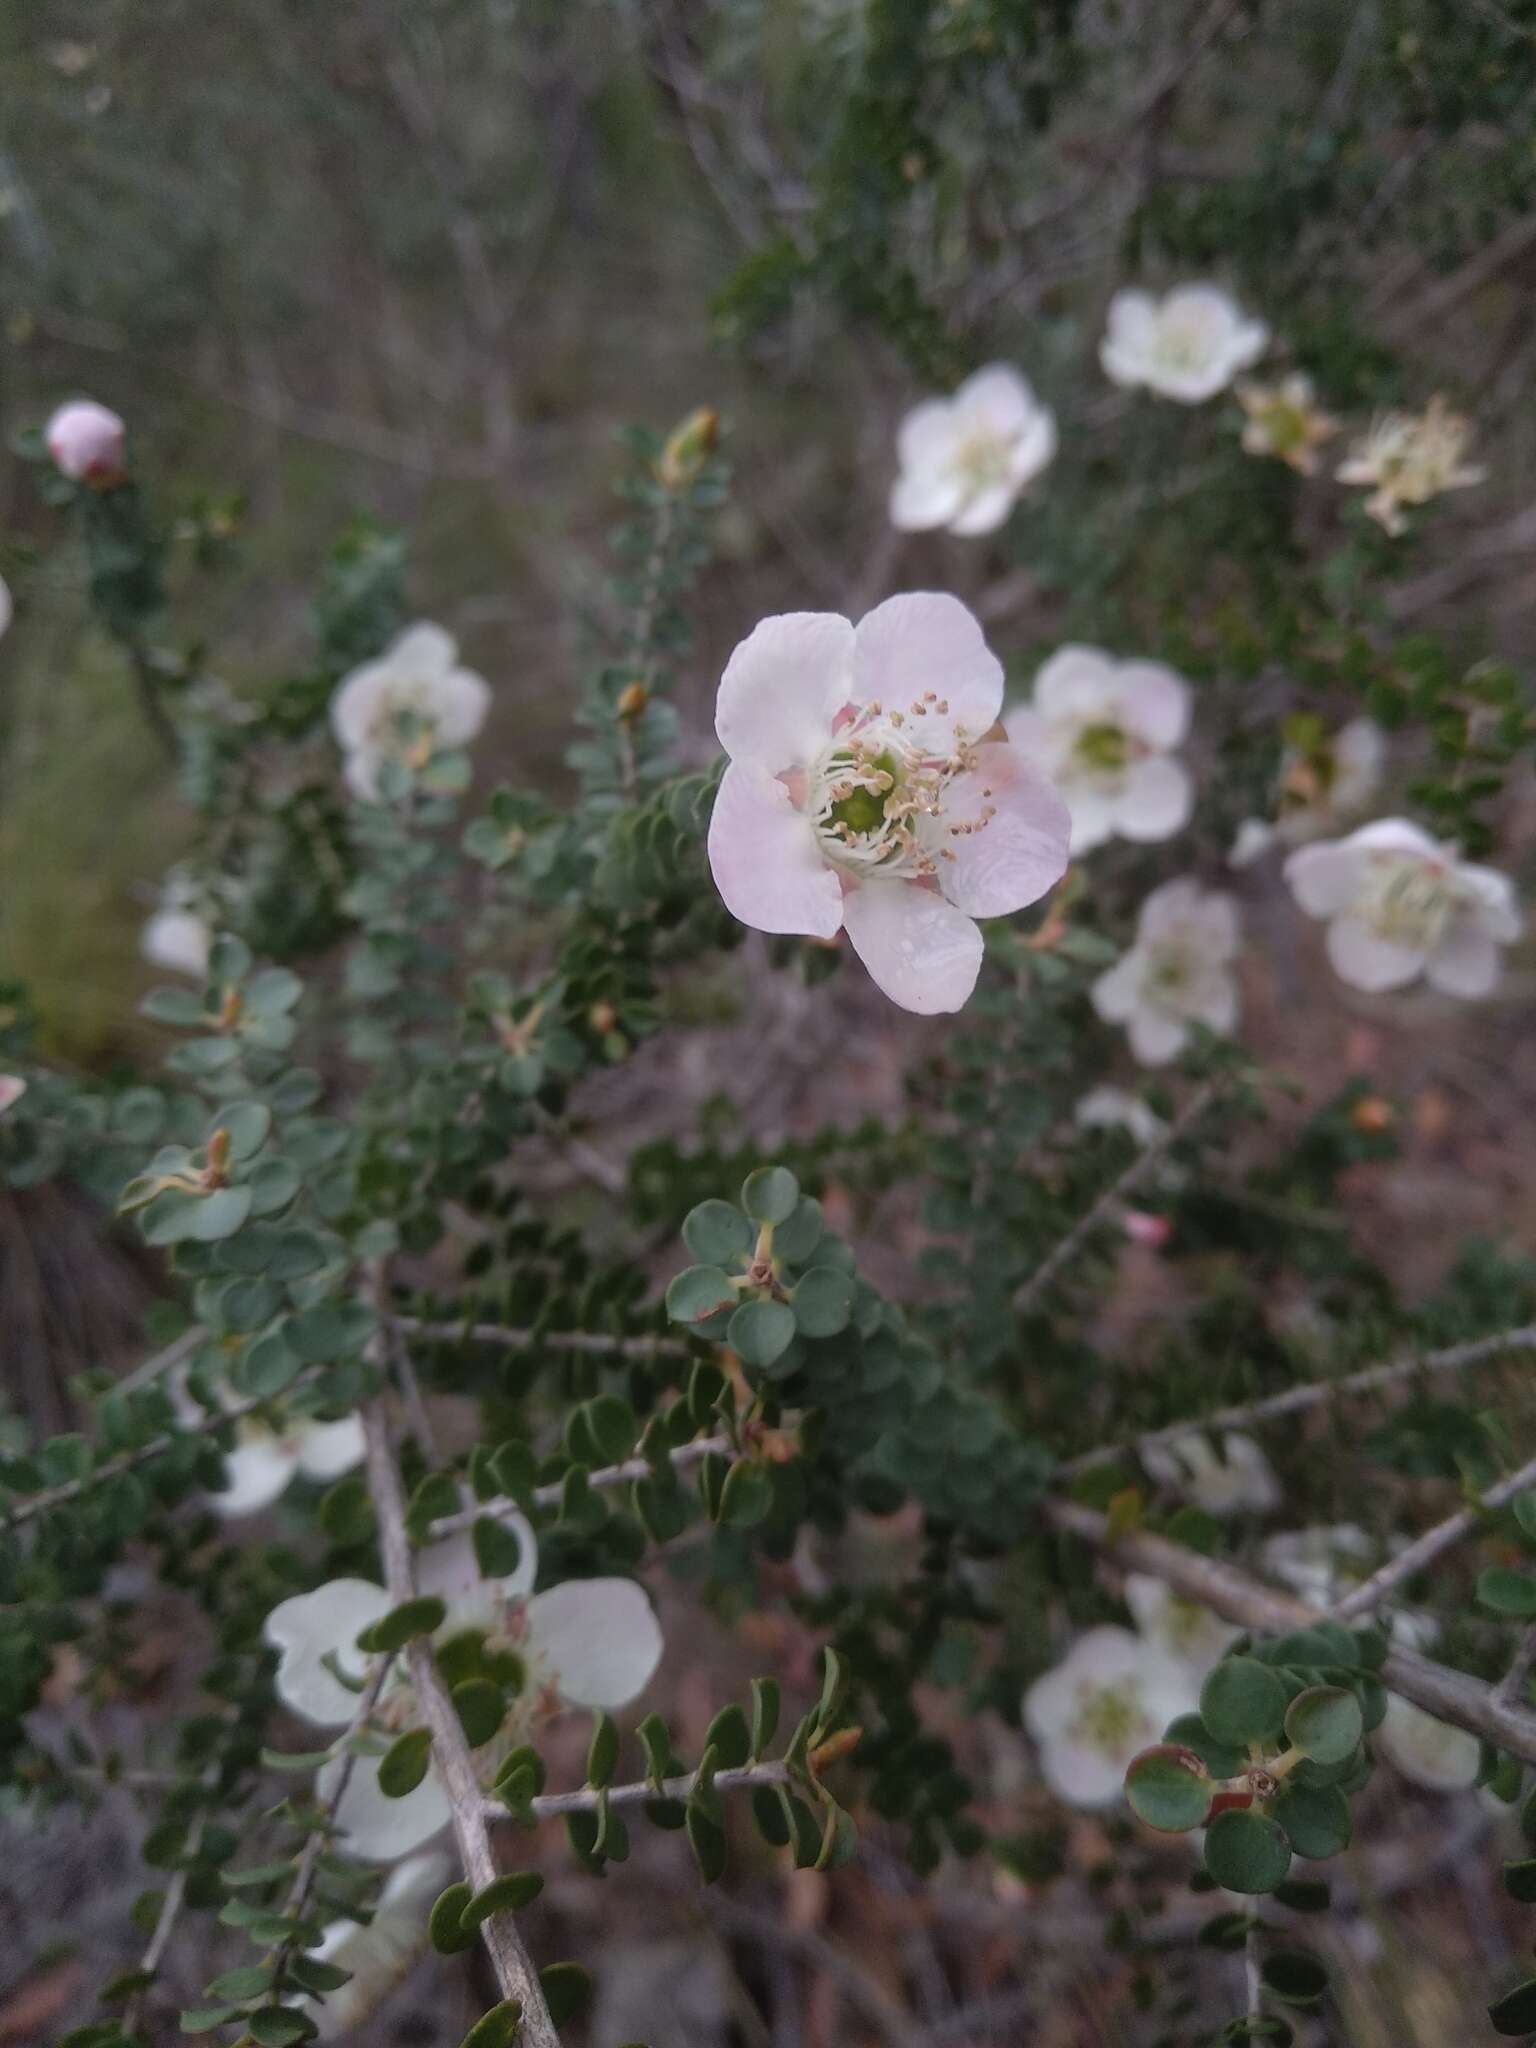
(1117, 1109)
(863, 794)
(1111, 1697)
(1178, 972)
(404, 707)
(1318, 1564)
(1428, 1752)
(177, 938)
(1104, 731)
(87, 442)
(1399, 904)
(1285, 421)
(378, 1954)
(1180, 1628)
(964, 460)
(1188, 345)
(586, 1643)
(265, 1462)
(12, 1089)
(1411, 458)
(1239, 1480)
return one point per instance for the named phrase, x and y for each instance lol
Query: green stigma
(1104, 746)
(864, 810)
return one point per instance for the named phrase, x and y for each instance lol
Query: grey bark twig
(606, 1475)
(1369, 1594)
(585, 1800)
(515, 1972)
(1449, 1695)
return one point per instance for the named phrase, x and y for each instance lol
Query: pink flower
(87, 441)
(864, 794)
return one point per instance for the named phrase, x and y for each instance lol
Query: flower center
(1111, 1717)
(982, 460)
(1409, 902)
(1104, 748)
(404, 729)
(1172, 970)
(878, 794)
(1181, 346)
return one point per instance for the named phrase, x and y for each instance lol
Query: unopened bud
(1370, 1113)
(827, 1753)
(1141, 1227)
(88, 443)
(633, 699)
(12, 1089)
(218, 1158)
(603, 1018)
(688, 448)
(230, 1009)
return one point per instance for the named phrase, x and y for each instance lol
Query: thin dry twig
(1369, 1594)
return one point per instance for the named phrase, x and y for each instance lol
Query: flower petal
(1155, 799)
(1466, 964)
(1155, 1036)
(1154, 702)
(256, 1472)
(1117, 991)
(600, 1638)
(458, 705)
(314, 1625)
(452, 1571)
(926, 641)
(379, 1953)
(783, 687)
(327, 1449)
(920, 951)
(765, 859)
(1325, 878)
(1076, 683)
(924, 498)
(1021, 849)
(375, 1827)
(1497, 907)
(926, 437)
(1367, 961)
(996, 398)
(986, 511)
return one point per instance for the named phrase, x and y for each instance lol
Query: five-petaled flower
(411, 703)
(1238, 1479)
(264, 1462)
(380, 1950)
(1400, 904)
(964, 460)
(863, 793)
(1187, 345)
(584, 1643)
(1110, 1697)
(1409, 458)
(87, 442)
(1178, 972)
(1104, 731)
(1284, 420)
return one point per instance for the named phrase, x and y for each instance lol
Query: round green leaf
(760, 1331)
(1515, 2012)
(445, 1926)
(498, 2028)
(404, 1764)
(1315, 1818)
(797, 1239)
(1243, 1701)
(1294, 1977)
(1507, 1591)
(566, 1988)
(481, 1707)
(1168, 1788)
(1325, 1724)
(697, 1293)
(823, 1301)
(718, 1234)
(770, 1194)
(747, 1495)
(247, 1125)
(392, 1631)
(506, 1894)
(1245, 1851)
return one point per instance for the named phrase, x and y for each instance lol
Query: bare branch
(513, 1965)
(1068, 1247)
(585, 1800)
(1448, 1695)
(606, 1475)
(1370, 1379)
(594, 1343)
(1366, 1597)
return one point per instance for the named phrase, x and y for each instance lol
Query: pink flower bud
(12, 1088)
(1143, 1228)
(88, 441)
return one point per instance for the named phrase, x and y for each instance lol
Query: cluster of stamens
(1410, 901)
(1109, 1716)
(876, 795)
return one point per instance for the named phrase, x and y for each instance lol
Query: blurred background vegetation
(418, 260)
